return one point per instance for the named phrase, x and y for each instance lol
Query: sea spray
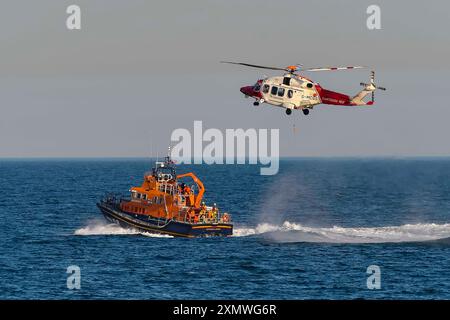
(290, 195)
(103, 228)
(294, 232)
(276, 200)
(97, 227)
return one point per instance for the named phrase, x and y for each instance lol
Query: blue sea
(309, 232)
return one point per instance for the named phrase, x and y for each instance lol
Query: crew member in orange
(196, 217)
(201, 216)
(187, 190)
(210, 216)
(190, 216)
(202, 213)
(214, 212)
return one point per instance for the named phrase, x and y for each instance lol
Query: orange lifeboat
(165, 203)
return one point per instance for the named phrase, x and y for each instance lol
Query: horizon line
(246, 158)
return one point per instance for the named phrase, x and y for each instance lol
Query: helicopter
(293, 91)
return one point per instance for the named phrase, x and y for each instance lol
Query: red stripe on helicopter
(331, 97)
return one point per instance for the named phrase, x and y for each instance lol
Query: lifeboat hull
(174, 228)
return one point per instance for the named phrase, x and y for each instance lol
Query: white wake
(294, 232)
(100, 228)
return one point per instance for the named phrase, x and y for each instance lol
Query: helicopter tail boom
(370, 87)
(332, 97)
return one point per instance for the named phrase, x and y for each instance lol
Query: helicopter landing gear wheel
(256, 103)
(305, 112)
(288, 111)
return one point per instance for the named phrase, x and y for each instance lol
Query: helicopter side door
(292, 97)
(276, 94)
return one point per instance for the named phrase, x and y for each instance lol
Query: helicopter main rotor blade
(334, 68)
(255, 66)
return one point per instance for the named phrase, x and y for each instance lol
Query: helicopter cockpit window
(287, 81)
(290, 94)
(256, 87)
(266, 88)
(281, 92)
(274, 90)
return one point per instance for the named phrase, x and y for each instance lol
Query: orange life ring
(225, 218)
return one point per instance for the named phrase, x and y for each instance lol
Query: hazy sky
(139, 69)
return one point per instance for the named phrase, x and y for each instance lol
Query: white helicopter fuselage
(287, 91)
(292, 91)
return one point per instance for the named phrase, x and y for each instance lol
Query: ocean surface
(309, 232)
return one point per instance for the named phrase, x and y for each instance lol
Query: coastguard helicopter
(293, 91)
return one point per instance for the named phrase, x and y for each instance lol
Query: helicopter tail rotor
(368, 88)
(372, 86)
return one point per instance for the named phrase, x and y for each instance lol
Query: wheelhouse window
(266, 88)
(281, 92)
(274, 90)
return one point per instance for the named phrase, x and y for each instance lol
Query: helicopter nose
(247, 90)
